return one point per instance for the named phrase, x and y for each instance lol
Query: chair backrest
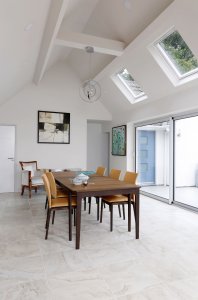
(29, 166)
(47, 189)
(52, 184)
(115, 174)
(130, 177)
(100, 171)
(26, 165)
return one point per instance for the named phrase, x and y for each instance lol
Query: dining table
(98, 186)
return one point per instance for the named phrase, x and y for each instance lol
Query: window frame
(125, 89)
(167, 65)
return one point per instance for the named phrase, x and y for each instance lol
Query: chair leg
(111, 217)
(22, 190)
(46, 202)
(74, 216)
(89, 201)
(123, 209)
(119, 210)
(47, 222)
(30, 192)
(133, 203)
(70, 219)
(98, 208)
(101, 210)
(85, 203)
(53, 217)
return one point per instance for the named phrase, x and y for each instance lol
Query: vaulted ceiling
(35, 35)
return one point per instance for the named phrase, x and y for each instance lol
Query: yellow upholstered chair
(55, 203)
(114, 174)
(30, 176)
(129, 177)
(57, 191)
(101, 171)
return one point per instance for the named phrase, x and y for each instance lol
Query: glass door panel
(152, 158)
(186, 161)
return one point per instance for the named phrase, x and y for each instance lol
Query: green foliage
(179, 53)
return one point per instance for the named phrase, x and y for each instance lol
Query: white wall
(59, 92)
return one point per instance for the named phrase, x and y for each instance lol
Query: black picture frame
(119, 140)
(53, 127)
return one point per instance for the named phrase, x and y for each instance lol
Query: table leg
(129, 212)
(137, 214)
(70, 218)
(78, 220)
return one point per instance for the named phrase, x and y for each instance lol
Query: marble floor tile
(161, 265)
(32, 290)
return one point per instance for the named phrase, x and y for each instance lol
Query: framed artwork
(53, 127)
(119, 140)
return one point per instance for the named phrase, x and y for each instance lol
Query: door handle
(11, 158)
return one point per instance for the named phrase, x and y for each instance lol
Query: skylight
(178, 55)
(128, 86)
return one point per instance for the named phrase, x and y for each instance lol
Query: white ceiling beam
(81, 40)
(55, 17)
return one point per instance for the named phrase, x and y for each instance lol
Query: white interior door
(7, 151)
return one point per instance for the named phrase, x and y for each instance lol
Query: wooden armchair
(30, 176)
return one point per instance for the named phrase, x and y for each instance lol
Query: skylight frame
(127, 90)
(167, 65)
(168, 59)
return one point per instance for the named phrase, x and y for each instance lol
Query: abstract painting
(119, 140)
(53, 127)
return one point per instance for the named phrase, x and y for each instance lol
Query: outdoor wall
(58, 91)
(186, 152)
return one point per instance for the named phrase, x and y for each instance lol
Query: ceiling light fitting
(90, 90)
(28, 27)
(127, 4)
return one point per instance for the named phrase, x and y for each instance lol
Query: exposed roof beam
(81, 40)
(55, 17)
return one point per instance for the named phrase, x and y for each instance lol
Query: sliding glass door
(186, 161)
(152, 158)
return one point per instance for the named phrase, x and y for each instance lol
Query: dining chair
(56, 190)
(114, 174)
(100, 171)
(30, 176)
(57, 204)
(130, 177)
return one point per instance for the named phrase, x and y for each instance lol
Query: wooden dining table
(98, 186)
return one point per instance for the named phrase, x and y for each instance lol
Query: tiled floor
(161, 265)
